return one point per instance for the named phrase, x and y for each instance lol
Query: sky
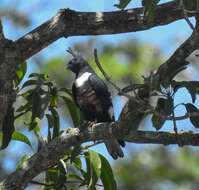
(167, 38)
(161, 36)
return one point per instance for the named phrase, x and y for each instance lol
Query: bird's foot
(86, 124)
(91, 123)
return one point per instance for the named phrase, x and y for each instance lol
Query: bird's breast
(82, 79)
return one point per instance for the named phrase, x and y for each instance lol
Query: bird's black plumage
(93, 98)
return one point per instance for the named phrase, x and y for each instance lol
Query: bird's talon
(90, 123)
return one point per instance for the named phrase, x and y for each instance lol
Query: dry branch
(72, 23)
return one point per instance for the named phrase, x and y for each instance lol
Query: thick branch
(178, 60)
(165, 138)
(72, 23)
(56, 149)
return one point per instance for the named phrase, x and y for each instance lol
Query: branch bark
(2, 37)
(50, 154)
(178, 59)
(9, 60)
(71, 23)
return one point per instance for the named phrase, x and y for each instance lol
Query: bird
(91, 95)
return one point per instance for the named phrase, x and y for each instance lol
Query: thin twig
(91, 145)
(178, 118)
(131, 87)
(52, 184)
(107, 77)
(69, 50)
(104, 73)
(188, 21)
(186, 17)
(174, 123)
(77, 182)
(41, 183)
(22, 113)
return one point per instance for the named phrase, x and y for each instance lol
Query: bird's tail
(114, 147)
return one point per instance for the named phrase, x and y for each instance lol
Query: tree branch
(2, 37)
(165, 138)
(178, 60)
(71, 23)
(50, 154)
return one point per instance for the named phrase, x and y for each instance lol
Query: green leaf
(107, 176)
(17, 136)
(157, 121)
(54, 97)
(122, 4)
(149, 9)
(50, 120)
(36, 106)
(33, 125)
(74, 111)
(193, 109)
(49, 84)
(62, 171)
(56, 123)
(93, 163)
(75, 176)
(38, 75)
(77, 162)
(39, 104)
(164, 107)
(34, 75)
(75, 152)
(24, 107)
(67, 91)
(29, 83)
(52, 175)
(50, 125)
(20, 73)
(63, 167)
(8, 127)
(168, 106)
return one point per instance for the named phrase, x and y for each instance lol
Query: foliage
(158, 168)
(149, 7)
(41, 98)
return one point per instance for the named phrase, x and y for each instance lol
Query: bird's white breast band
(82, 79)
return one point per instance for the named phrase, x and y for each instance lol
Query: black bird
(91, 95)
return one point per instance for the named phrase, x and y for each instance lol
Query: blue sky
(166, 37)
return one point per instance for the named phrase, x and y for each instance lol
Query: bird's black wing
(102, 94)
(98, 85)
(112, 144)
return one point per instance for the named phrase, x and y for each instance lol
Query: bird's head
(77, 63)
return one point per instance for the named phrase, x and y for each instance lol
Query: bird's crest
(69, 50)
(75, 55)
